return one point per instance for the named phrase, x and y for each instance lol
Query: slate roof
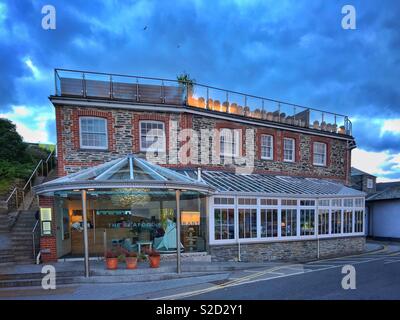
(386, 191)
(130, 171)
(358, 172)
(230, 182)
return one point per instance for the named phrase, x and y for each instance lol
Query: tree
(12, 148)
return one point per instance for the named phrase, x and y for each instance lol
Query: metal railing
(88, 84)
(34, 239)
(19, 195)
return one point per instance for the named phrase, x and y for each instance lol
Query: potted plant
(131, 260)
(154, 258)
(111, 260)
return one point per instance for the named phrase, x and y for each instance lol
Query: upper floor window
(319, 154)
(370, 183)
(289, 149)
(229, 142)
(93, 133)
(267, 147)
(152, 136)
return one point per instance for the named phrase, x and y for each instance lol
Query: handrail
(33, 173)
(16, 191)
(33, 239)
(196, 84)
(203, 96)
(9, 197)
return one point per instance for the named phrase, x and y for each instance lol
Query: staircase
(18, 222)
(21, 237)
(6, 252)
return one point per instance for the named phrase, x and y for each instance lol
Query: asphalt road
(377, 277)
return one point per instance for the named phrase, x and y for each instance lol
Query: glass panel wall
(135, 220)
(271, 219)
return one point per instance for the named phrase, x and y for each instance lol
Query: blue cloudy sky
(293, 51)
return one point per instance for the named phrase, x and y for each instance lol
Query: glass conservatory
(127, 202)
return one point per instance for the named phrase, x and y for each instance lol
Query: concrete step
(6, 264)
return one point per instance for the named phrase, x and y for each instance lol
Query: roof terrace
(117, 87)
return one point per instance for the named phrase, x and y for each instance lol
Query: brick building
(270, 179)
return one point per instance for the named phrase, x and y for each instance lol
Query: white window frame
(152, 149)
(262, 145)
(370, 183)
(102, 133)
(293, 150)
(258, 239)
(235, 135)
(324, 154)
(269, 207)
(250, 207)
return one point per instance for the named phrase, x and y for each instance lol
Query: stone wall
(123, 138)
(304, 250)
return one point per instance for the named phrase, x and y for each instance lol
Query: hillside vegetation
(17, 158)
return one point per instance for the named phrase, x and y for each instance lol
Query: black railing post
(84, 84)
(162, 92)
(111, 87)
(55, 81)
(137, 89)
(208, 107)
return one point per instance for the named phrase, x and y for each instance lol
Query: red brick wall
(48, 244)
(124, 138)
(60, 150)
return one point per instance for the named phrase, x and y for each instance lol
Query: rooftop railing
(86, 84)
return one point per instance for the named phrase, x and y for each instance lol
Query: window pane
(359, 222)
(323, 221)
(348, 221)
(307, 222)
(269, 223)
(288, 149)
(93, 132)
(152, 136)
(319, 153)
(336, 221)
(288, 222)
(247, 223)
(224, 227)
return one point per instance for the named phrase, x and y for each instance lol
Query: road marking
(252, 278)
(391, 261)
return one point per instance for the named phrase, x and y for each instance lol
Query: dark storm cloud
(285, 50)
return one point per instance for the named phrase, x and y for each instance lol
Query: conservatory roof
(130, 171)
(273, 185)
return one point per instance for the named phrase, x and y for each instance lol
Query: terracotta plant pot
(112, 263)
(131, 262)
(154, 261)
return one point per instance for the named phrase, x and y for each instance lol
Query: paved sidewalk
(71, 272)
